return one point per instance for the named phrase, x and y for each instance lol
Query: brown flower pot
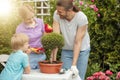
(50, 68)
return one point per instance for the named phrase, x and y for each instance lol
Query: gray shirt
(69, 29)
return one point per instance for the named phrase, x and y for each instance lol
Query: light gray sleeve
(56, 16)
(82, 19)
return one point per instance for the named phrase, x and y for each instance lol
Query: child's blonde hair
(18, 40)
(26, 10)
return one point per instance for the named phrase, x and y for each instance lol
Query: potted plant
(51, 41)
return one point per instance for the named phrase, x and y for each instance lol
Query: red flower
(92, 0)
(99, 76)
(108, 72)
(90, 78)
(81, 2)
(92, 6)
(95, 9)
(118, 76)
(103, 77)
(98, 15)
(107, 78)
(48, 28)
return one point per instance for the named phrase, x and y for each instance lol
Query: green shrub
(104, 33)
(51, 41)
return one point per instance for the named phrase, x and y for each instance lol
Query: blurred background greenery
(104, 33)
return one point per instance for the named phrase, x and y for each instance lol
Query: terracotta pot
(50, 68)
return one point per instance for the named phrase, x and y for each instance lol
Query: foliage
(4, 41)
(8, 24)
(105, 33)
(93, 68)
(52, 40)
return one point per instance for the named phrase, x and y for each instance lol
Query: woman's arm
(78, 42)
(56, 27)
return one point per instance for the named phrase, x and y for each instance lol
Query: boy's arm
(26, 65)
(27, 70)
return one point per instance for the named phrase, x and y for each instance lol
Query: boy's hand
(28, 51)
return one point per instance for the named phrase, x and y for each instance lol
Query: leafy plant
(93, 68)
(104, 35)
(51, 41)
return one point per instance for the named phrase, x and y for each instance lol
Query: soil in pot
(50, 68)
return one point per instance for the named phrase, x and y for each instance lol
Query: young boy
(18, 62)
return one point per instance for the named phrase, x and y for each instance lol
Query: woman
(34, 28)
(73, 25)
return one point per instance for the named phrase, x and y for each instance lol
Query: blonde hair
(18, 40)
(26, 10)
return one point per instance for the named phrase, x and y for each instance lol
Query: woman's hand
(75, 71)
(37, 50)
(54, 52)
